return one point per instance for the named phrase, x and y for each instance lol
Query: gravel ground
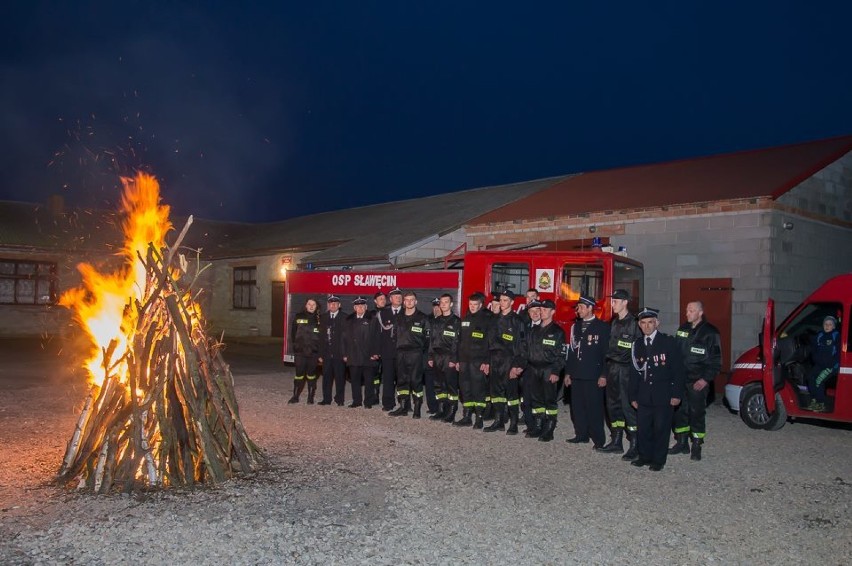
(347, 486)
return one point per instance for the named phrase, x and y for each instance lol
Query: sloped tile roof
(747, 174)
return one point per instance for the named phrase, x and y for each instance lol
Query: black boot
(499, 421)
(465, 420)
(402, 410)
(443, 409)
(418, 405)
(312, 390)
(536, 430)
(488, 413)
(452, 407)
(547, 431)
(681, 444)
(513, 421)
(298, 385)
(632, 452)
(478, 422)
(696, 449)
(615, 444)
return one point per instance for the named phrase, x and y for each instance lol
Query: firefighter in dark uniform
(429, 371)
(388, 318)
(585, 372)
(624, 330)
(331, 352)
(444, 359)
(361, 353)
(380, 300)
(656, 388)
(545, 361)
(476, 329)
(701, 347)
(508, 359)
(533, 313)
(412, 342)
(305, 337)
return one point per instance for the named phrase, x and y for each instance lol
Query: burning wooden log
(164, 413)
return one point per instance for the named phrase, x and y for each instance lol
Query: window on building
(27, 282)
(245, 287)
(514, 277)
(581, 279)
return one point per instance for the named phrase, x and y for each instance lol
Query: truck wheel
(753, 409)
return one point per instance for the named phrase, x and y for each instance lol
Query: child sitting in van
(825, 352)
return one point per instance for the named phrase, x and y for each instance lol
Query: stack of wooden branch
(166, 413)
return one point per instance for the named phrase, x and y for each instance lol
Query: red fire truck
(767, 394)
(559, 276)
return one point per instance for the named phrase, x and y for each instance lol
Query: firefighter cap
(333, 299)
(586, 300)
(378, 294)
(436, 301)
(478, 296)
(534, 304)
(547, 304)
(648, 312)
(506, 293)
(396, 291)
(359, 301)
(620, 294)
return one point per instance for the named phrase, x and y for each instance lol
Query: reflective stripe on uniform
(538, 410)
(311, 377)
(299, 377)
(402, 392)
(441, 396)
(681, 429)
(617, 424)
(468, 404)
(453, 397)
(498, 399)
(513, 402)
(551, 412)
(632, 428)
(625, 344)
(699, 435)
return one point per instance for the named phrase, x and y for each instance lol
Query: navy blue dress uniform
(545, 357)
(361, 353)
(476, 329)
(701, 348)
(444, 350)
(508, 350)
(331, 353)
(412, 342)
(305, 337)
(656, 380)
(388, 320)
(622, 417)
(586, 364)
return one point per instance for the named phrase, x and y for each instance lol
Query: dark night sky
(263, 113)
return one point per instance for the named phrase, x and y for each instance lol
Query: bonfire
(161, 409)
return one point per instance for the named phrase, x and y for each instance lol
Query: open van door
(769, 356)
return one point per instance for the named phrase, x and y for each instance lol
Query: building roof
(374, 233)
(748, 174)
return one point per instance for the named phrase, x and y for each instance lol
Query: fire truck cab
(559, 276)
(767, 394)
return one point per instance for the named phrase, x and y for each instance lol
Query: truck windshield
(510, 276)
(809, 319)
(629, 277)
(581, 279)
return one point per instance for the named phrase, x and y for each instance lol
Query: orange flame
(100, 305)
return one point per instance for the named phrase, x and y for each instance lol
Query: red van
(766, 395)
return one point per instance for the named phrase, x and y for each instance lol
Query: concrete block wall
(804, 255)
(218, 303)
(826, 193)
